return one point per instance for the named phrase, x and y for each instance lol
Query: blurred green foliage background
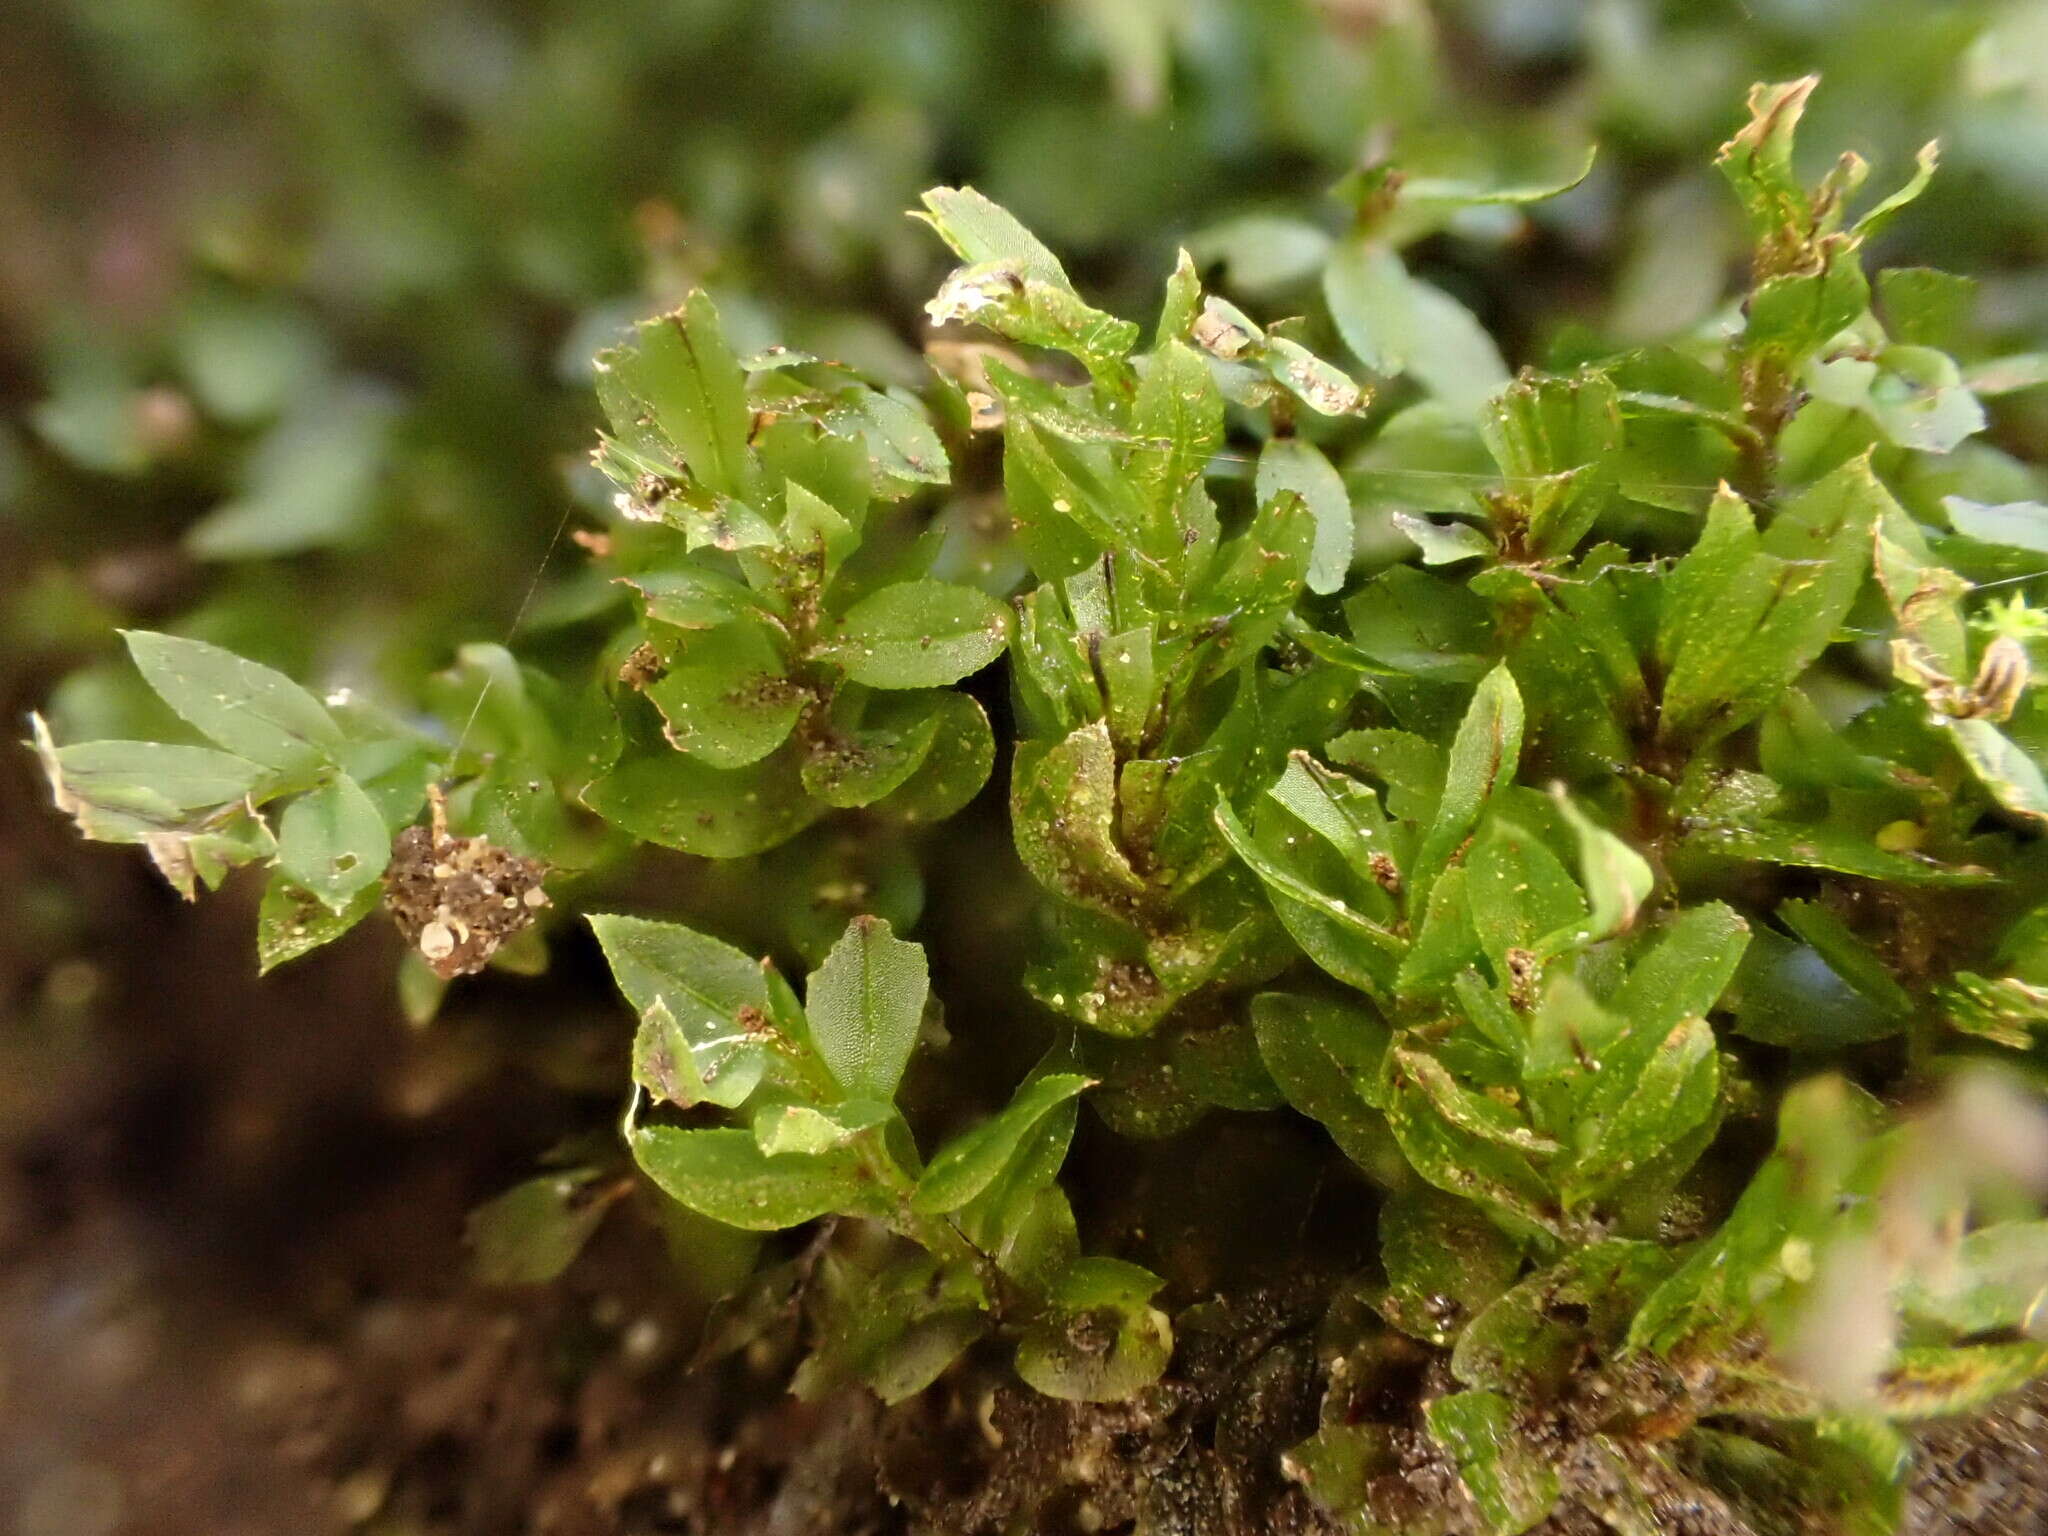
(297, 297)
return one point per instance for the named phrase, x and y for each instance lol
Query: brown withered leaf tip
(457, 899)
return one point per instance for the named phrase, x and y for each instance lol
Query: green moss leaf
(704, 1009)
(1103, 1342)
(332, 841)
(1509, 1478)
(292, 921)
(1445, 1262)
(1295, 464)
(918, 634)
(243, 706)
(682, 369)
(726, 1176)
(969, 1163)
(865, 1004)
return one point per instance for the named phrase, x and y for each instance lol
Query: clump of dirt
(458, 900)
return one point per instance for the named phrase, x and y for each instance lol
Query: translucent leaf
(1925, 307)
(721, 813)
(1758, 160)
(682, 369)
(2007, 375)
(804, 1129)
(101, 781)
(903, 449)
(1529, 1342)
(1914, 395)
(1326, 1058)
(1446, 941)
(1792, 315)
(2003, 767)
(2014, 524)
(1259, 251)
(1022, 307)
(1445, 1262)
(311, 483)
(1396, 324)
(1484, 755)
(1322, 386)
(2006, 1011)
(1617, 879)
(1063, 813)
(1337, 933)
(952, 770)
(725, 698)
(1883, 212)
(1553, 439)
(1520, 896)
(1467, 194)
(978, 231)
(1466, 1110)
(1713, 1297)
(1177, 416)
(1745, 615)
(1444, 543)
(692, 597)
(1847, 955)
(1632, 1119)
(860, 766)
(896, 1330)
(1472, 1167)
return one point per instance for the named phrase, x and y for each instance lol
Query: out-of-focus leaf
(1397, 323)
(1295, 464)
(312, 483)
(532, 1232)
